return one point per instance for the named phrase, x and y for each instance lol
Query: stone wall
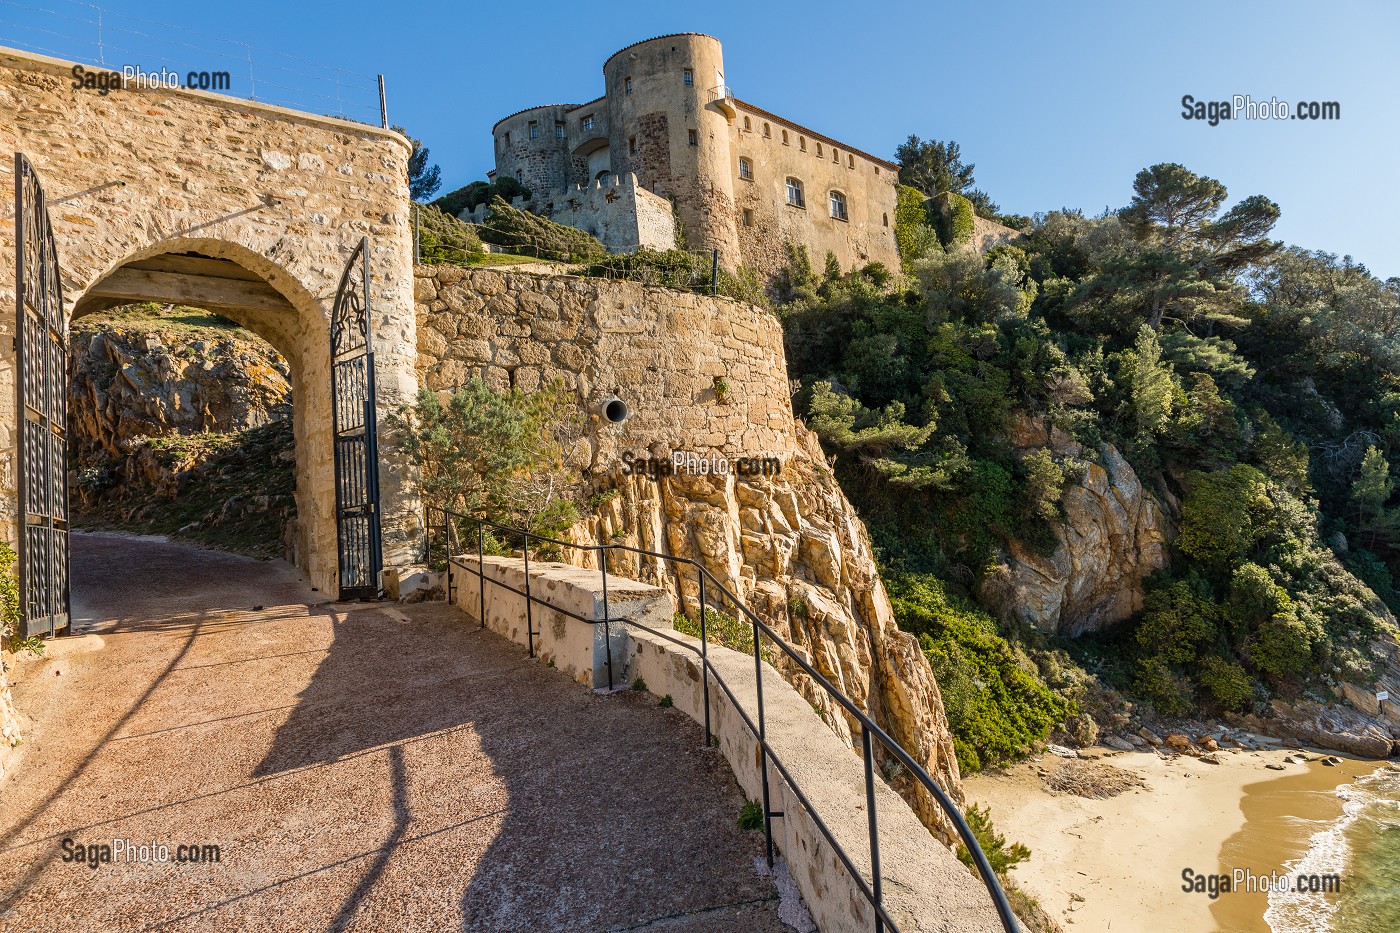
(705, 375)
(137, 174)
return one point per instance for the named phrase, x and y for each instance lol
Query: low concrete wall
(925, 887)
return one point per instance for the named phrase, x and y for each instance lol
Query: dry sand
(1124, 855)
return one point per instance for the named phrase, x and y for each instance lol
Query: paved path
(360, 768)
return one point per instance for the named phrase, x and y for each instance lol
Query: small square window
(745, 169)
(627, 85)
(689, 77)
(558, 131)
(588, 123)
(534, 130)
(692, 138)
(748, 217)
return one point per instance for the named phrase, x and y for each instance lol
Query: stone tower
(666, 105)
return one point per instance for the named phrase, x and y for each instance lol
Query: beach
(1116, 863)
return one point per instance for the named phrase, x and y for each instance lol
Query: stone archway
(146, 185)
(227, 279)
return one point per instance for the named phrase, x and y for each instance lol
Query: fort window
(885, 219)
(745, 169)
(836, 156)
(767, 133)
(689, 77)
(819, 150)
(794, 193)
(838, 205)
(558, 130)
(802, 143)
(534, 130)
(785, 142)
(631, 145)
(587, 123)
(748, 127)
(507, 138)
(748, 217)
(627, 85)
(692, 138)
(850, 161)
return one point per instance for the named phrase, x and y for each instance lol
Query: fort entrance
(293, 226)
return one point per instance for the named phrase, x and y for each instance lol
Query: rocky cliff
(1114, 534)
(178, 424)
(705, 376)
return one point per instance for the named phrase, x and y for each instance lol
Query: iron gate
(41, 398)
(356, 447)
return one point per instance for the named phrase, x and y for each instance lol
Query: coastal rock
(1061, 752)
(1123, 745)
(1114, 534)
(1208, 743)
(1178, 741)
(1150, 737)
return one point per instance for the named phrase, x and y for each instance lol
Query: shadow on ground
(359, 767)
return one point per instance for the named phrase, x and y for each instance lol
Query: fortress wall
(779, 150)
(623, 215)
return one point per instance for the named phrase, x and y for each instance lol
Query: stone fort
(669, 149)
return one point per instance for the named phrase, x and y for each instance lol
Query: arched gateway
(292, 225)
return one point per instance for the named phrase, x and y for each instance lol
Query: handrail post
(704, 658)
(447, 545)
(763, 744)
(607, 616)
(481, 567)
(529, 600)
(876, 884)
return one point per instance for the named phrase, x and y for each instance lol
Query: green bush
(1002, 856)
(677, 268)
(912, 233)
(469, 197)
(1226, 681)
(997, 705)
(443, 238)
(532, 235)
(956, 219)
(1222, 514)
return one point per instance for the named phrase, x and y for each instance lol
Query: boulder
(1123, 745)
(1178, 741)
(1150, 737)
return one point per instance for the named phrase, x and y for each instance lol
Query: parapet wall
(615, 209)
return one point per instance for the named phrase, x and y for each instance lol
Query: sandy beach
(1115, 864)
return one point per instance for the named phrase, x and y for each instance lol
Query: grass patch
(147, 315)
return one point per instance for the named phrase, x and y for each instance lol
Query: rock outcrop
(1114, 534)
(133, 381)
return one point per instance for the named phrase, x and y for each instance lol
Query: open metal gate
(41, 397)
(356, 446)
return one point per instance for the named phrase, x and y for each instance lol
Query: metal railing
(450, 525)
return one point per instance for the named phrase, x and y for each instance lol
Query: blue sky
(1058, 104)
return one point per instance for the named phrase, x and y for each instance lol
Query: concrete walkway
(359, 767)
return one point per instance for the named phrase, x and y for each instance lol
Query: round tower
(533, 148)
(669, 116)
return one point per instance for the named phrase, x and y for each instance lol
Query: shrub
(497, 455)
(1222, 513)
(443, 238)
(997, 705)
(955, 219)
(751, 817)
(469, 197)
(1226, 682)
(912, 233)
(1000, 855)
(676, 268)
(523, 232)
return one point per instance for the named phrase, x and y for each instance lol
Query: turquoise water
(1363, 847)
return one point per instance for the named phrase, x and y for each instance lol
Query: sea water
(1362, 848)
